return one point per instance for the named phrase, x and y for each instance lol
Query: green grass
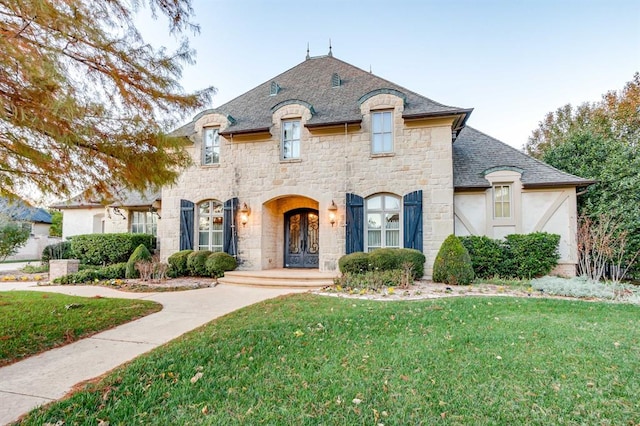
(31, 322)
(309, 360)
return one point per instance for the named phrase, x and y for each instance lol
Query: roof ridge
(527, 155)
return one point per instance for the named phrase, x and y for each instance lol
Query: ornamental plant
(453, 263)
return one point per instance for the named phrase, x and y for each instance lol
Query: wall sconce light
(245, 211)
(332, 213)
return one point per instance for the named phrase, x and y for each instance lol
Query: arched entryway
(302, 242)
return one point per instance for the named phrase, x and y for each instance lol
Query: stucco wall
(333, 162)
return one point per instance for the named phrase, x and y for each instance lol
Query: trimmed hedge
(111, 272)
(354, 263)
(140, 253)
(196, 263)
(517, 256)
(384, 259)
(106, 249)
(61, 250)
(218, 263)
(178, 263)
(453, 263)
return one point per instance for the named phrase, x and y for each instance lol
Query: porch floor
(281, 277)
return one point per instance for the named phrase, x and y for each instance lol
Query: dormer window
(335, 80)
(290, 139)
(381, 132)
(275, 88)
(210, 146)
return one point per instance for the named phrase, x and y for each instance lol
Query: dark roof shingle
(475, 154)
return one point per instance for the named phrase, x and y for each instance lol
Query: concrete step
(279, 278)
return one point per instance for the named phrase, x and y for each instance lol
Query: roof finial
(370, 69)
(330, 52)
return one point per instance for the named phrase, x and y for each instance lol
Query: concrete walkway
(51, 375)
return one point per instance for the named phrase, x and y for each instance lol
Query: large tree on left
(84, 101)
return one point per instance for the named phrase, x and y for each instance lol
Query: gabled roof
(124, 198)
(476, 154)
(310, 83)
(21, 211)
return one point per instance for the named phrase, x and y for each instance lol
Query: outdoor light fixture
(244, 214)
(332, 213)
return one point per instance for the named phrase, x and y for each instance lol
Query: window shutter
(186, 225)
(413, 220)
(230, 245)
(354, 227)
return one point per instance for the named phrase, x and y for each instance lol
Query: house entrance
(301, 246)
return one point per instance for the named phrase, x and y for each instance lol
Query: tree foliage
(56, 223)
(84, 101)
(12, 236)
(599, 141)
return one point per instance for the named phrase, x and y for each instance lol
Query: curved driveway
(51, 375)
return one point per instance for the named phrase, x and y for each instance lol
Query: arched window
(383, 221)
(210, 225)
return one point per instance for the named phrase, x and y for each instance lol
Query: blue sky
(512, 61)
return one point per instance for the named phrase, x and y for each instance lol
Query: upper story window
(210, 146)
(210, 225)
(144, 223)
(502, 201)
(381, 132)
(383, 221)
(290, 139)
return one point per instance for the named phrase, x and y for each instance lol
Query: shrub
(415, 257)
(532, 255)
(488, 256)
(218, 263)
(370, 280)
(196, 263)
(178, 263)
(115, 271)
(61, 250)
(384, 259)
(453, 263)
(139, 254)
(105, 249)
(112, 272)
(355, 263)
(585, 287)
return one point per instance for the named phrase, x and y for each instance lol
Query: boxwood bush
(106, 249)
(178, 263)
(384, 259)
(415, 257)
(218, 263)
(488, 256)
(111, 272)
(139, 254)
(196, 263)
(354, 263)
(453, 263)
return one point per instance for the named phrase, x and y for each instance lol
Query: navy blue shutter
(413, 220)
(230, 245)
(186, 225)
(355, 223)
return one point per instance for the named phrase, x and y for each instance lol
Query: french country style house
(327, 159)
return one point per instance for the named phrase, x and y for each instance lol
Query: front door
(301, 239)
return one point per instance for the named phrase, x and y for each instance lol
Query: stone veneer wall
(333, 163)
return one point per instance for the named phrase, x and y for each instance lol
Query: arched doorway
(301, 248)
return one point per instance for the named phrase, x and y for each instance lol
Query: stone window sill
(383, 155)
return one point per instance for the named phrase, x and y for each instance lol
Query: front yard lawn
(309, 359)
(32, 322)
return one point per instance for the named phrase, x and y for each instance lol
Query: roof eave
(578, 183)
(245, 131)
(332, 123)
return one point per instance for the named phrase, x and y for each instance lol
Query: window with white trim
(210, 146)
(381, 132)
(383, 221)
(144, 223)
(210, 225)
(290, 139)
(501, 201)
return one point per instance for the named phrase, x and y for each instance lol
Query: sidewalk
(51, 375)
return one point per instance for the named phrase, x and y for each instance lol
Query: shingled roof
(475, 154)
(122, 199)
(20, 210)
(313, 82)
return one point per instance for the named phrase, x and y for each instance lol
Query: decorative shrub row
(517, 256)
(61, 250)
(453, 263)
(201, 263)
(384, 259)
(106, 249)
(115, 271)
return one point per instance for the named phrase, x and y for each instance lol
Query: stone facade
(333, 161)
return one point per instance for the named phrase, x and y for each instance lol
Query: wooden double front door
(301, 238)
